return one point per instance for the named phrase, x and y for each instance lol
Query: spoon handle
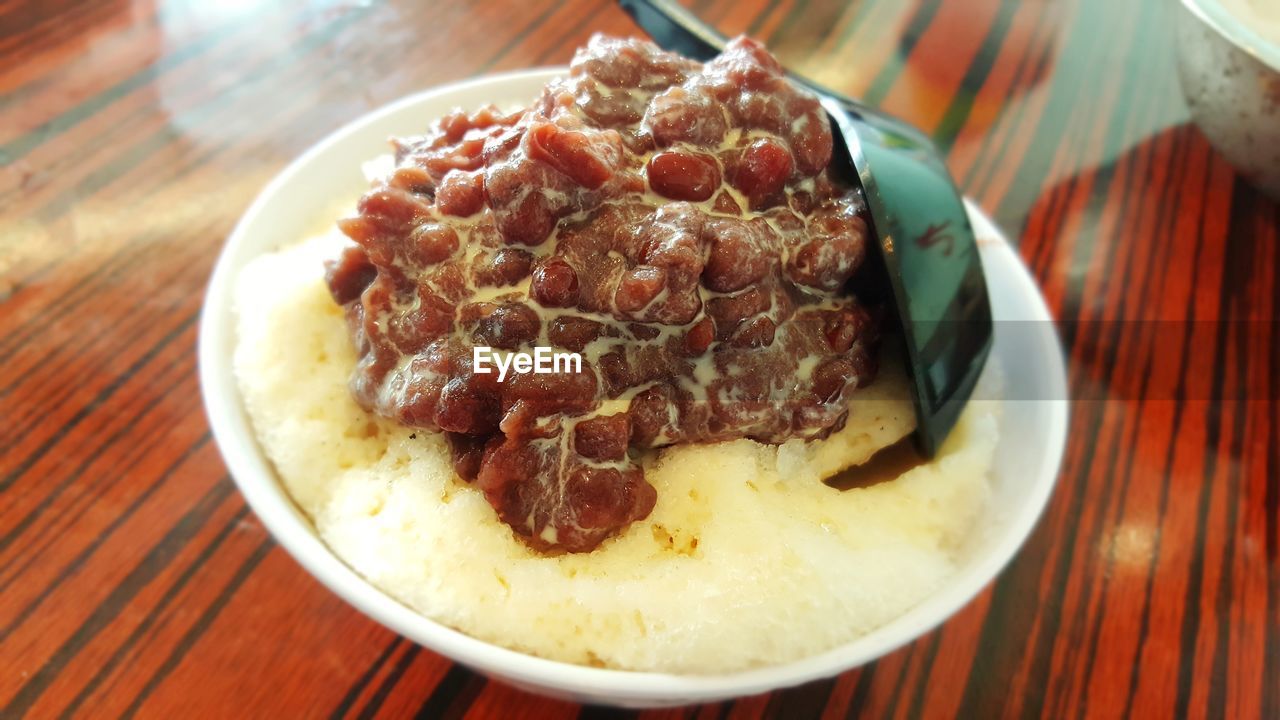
(676, 29)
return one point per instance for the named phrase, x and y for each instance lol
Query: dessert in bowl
(653, 527)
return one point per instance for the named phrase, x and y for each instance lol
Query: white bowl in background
(1033, 427)
(1230, 76)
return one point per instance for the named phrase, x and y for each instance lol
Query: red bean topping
(507, 266)
(412, 178)
(602, 105)
(757, 332)
(737, 257)
(349, 275)
(620, 66)
(450, 282)
(683, 176)
(360, 229)
(616, 373)
(573, 333)
(837, 248)
(583, 158)
(812, 142)
(650, 415)
(508, 326)
(454, 124)
(760, 111)
(700, 337)
(468, 450)
(431, 243)
(412, 330)
(555, 283)
(726, 204)
(628, 63)
(473, 312)
(523, 216)
(555, 392)
(680, 115)
(765, 167)
(600, 495)
(466, 155)
(827, 263)
(461, 194)
(844, 327)
(500, 145)
(463, 408)
(639, 286)
(641, 331)
(604, 437)
(832, 377)
(747, 64)
(392, 209)
(655, 295)
(730, 310)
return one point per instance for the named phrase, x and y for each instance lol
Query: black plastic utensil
(926, 242)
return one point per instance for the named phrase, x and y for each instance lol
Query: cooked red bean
(683, 176)
(461, 194)
(700, 337)
(604, 437)
(430, 244)
(412, 178)
(508, 230)
(555, 283)
(685, 115)
(508, 326)
(738, 255)
(726, 205)
(583, 157)
(463, 408)
(757, 332)
(827, 262)
(730, 310)
(468, 450)
(507, 266)
(832, 378)
(844, 327)
(349, 275)
(639, 286)
(573, 333)
(765, 167)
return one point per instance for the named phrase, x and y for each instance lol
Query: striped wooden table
(133, 580)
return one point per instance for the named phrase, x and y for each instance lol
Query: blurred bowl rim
(258, 481)
(1232, 29)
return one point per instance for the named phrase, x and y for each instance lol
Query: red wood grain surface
(133, 579)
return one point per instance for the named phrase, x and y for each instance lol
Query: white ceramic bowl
(1230, 77)
(1033, 428)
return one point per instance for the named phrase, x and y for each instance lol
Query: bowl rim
(1232, 29)
(258, 482)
